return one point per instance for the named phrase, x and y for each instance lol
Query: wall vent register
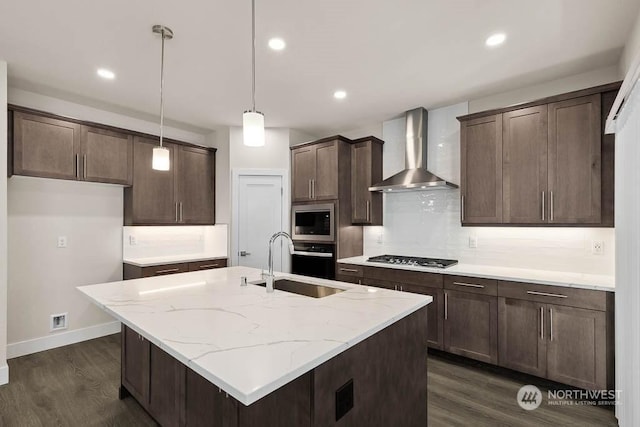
(413, 261)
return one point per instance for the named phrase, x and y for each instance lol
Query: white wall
(428, 223)
(42, 277)
(531, 93)
(631, 48)
(4, 369)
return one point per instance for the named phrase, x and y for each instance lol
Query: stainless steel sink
(300, 288)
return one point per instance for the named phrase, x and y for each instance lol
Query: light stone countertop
(243, 340)
(160, 260)
(542, 277)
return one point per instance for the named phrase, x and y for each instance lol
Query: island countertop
(243, 340)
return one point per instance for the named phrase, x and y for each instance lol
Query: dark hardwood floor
(78, 385)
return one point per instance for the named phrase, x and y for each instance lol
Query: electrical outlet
(58, 321)
(62, 241)
(473, 242)
(132, 240)
(380, 238)
(597, 247)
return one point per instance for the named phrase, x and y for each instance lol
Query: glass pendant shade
(253, 128)
(161, 159)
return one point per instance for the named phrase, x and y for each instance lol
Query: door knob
(244, 253)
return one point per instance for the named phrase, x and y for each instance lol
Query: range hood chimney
(415, 176)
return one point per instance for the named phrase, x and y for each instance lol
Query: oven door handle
(313, 254)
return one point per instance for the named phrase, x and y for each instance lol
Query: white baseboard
(4, 374)
(59, 339)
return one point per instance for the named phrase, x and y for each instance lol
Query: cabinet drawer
(559, 295)
(161, 270)
(350, 270)
(207, 264)
(472, 285)
(431, 280)
(377, 283)
(349, 279)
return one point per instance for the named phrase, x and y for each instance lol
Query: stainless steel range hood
(415, 176)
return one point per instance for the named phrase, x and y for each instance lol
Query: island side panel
(389, 374)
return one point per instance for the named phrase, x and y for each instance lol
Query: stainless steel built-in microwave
(313, 222)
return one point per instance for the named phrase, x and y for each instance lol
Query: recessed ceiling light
(106, 74)
(277, 43)
(495, 39)
(340, 94)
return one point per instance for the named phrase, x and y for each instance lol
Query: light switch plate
(132, 240)
(473, 242)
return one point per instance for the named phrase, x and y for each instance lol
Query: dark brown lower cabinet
(577, 347)
(135, 365)
(166, 387)
(367, 381)
(435, 338)
(563, 334)
(523, 346)
(471, 325)
(131, 271)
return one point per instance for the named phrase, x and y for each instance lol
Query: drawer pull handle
(169, 270)
(209, 265)
(546, 294)
(542, 323)
(446, 306)
(469, 285)
(349, 270)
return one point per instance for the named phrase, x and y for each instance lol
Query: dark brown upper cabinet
(366, 170)
(107, 156)
(524, 164)
(49, 147)
(182, 195)
(481, 171)
(543, 163)
(317, 168)
(575, 161)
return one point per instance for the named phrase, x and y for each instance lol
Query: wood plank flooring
(78, 385)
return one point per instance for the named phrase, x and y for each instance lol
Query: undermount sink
(300, 288)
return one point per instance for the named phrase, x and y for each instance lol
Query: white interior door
(259, 216)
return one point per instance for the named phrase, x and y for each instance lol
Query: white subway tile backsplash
(428, 224)
(151, 242)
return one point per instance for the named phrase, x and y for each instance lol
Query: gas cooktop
(413, 261)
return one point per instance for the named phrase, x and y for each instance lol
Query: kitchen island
(199, 349)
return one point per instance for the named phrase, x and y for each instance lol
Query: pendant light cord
(162, 89)
(253, 54)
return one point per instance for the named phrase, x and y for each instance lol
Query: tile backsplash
(428, 224)
(150, 242)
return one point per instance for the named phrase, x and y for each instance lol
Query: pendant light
(252, 120)
(161, 157)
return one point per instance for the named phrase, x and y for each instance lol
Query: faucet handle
(243, 281)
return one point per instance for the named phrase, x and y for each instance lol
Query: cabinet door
(45, 147)
(207, 265)
(205, 405)
(577, 347)
(195, 186)
(107, 156)
(366, 169)
(152, 196)
(481, 172)
(166, 387)
(522, 337)
(135, 365)
(325, 185)
(303, 164)
(574, 161)
(524, 163)
(435, 313)
(471, 325)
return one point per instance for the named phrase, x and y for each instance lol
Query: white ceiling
(389, 56)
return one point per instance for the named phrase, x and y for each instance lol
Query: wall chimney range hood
(415, 176)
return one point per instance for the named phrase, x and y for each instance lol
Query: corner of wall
(4, 369)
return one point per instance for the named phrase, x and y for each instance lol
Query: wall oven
(313, 222)
(314, 259)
